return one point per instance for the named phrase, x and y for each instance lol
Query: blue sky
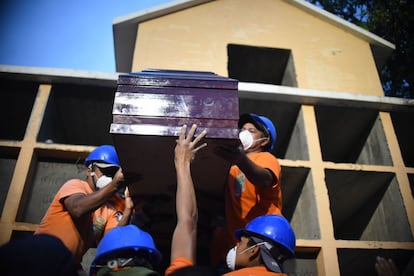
(75, 34)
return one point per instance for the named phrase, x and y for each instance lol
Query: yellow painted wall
(326, 57)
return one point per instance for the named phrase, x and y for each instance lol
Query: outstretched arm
(80, 204)
(259, 176)
(185, 234)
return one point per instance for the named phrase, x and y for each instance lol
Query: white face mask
(231, 255)
(231, 258)
(103, 181)
(247, 140)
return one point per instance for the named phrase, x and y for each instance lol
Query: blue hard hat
(262, 123)
(124, 238)
(103, 154)
(273, 228)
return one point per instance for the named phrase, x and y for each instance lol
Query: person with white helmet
(82, 211)
(253, 187)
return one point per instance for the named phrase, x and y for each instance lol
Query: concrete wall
(344, 208)
(325, 56)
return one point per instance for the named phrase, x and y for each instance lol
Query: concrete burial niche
(149, 109)
(8, 157)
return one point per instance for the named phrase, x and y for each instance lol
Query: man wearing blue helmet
(253, 186)
(264, 244)
(126, 250)
(83, 211)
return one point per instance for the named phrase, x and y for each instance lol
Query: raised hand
(186, 149)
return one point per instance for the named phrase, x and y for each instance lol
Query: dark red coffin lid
(180, 78)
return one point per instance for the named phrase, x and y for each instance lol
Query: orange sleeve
(255, 270)
(58, 221)
(268, 161)
(111, 219)
(177, 263)
(73, 186)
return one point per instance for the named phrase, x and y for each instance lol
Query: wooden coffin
(149, 109)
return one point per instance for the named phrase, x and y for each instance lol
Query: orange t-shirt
(84, 233)
(245, 201)
(177, 263)
(181, 262)
(253, 271)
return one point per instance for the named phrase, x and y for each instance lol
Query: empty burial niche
(367, 206)
(297, 148)
(304, 262)
(8, 158)
(78, 115)
(361, 262)
(299, 205)
(403, 122)
(288, 121)
(261, 65)
(49, 175)
(352, 135)
(17, 101)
